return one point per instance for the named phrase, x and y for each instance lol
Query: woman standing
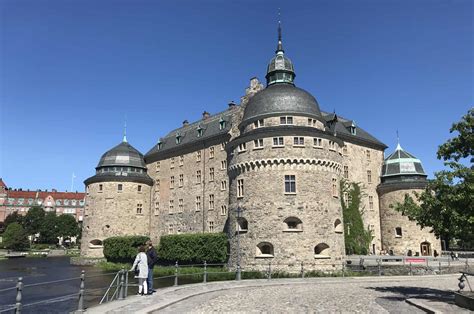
(142, 263)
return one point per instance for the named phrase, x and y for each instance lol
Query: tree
(49, 229)
(447, 203)
(357, 239)
(67, 226)
(13, 217)
(15, 237)
(33, 220)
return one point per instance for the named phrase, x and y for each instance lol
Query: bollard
(302, 270)
(343, 269)
(238, 275)
(19, 289)
(439, 266)
(80, 307)
(269, 270)
(176, 274)
(427, 262)
(204, 278)
(411, 271)
(121, 294)
(379, 266)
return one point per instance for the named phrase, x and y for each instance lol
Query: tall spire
(280, 44)
(125, 131)
(398, 143)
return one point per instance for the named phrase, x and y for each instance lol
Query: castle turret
(403, 174)
(117, 198)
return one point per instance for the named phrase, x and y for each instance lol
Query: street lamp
(239, 213)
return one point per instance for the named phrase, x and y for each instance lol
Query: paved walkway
(309, 295)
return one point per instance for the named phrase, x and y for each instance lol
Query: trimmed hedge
(123, 249)
(193, 248)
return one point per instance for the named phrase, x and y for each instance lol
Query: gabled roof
(2, 184)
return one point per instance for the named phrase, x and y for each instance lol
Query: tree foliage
(447, 203)
(49, 232)
(67, 226)
(33, 220)
(122, 249)
(193, 248)
(13, 217)
(357, 239)
(15, 237)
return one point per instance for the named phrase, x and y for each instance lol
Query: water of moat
(63, 295)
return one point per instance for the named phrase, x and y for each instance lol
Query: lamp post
(239, 213)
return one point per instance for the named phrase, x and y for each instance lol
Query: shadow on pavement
(405, 292)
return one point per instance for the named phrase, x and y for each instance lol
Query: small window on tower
(120, 187)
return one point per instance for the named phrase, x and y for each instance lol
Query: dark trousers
(149, 280)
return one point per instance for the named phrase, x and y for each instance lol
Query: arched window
(96, 243)
(338, 227)
(242, 225)
(321, 251)
(264, 250)
(293, 224)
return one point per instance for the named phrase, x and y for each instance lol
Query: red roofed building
(19, 200)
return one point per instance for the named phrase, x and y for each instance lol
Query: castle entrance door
(425, 249)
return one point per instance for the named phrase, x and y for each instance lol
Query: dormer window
(178, 138)
(222, 124)
(353, 130)
(160, 144)
(200, 130)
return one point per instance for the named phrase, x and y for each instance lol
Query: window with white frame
(223, 145)
(346, 172)
(242, 147)
(157, 207)
(240, 188)
(211, 152)
(181, 160)
(371, 202)
(198, 156)
(311, 122)
(224, 165)
(139, 208)
(318, 142)
(172, 163)
(170, 229)
(298, 141)
(198, 177)
(171, 207)
(211, 225)
(335, 192)
(211, 201)
(367, 154)
(290, 184)
(345, 151)
(157, 166)
(369, 176)
(278, 142)
(259, 123)
(180, 205)
(172, 182)
(181, 180)
(264, 250)
(332, 145)
(211, 174)
(223, 210)
(198, 203)
(223, 185)
(286, 120)
(258, 143)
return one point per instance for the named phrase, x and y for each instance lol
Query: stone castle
(267, 172)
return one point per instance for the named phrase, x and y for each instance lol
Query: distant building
(19, 200)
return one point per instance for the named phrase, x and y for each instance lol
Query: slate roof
(210, 128)
(123, 155)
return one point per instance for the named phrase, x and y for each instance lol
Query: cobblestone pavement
(310, 295)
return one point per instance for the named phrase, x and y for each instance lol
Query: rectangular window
(318, 142)
(211, 226)
(290, 184)
(398, 232)
(335, 191)
(181, 160)
(286, 120)
(258, 144)
(198, 156)
(101, 187)
(198, 177)
(278, 142)
(171, 207)
(157, 207)
(139, 208)
(258, 123)
(311, 122)
(223, 145)
(240, 188)
(346, 199)
(298, 141)
(332, 145)
(223, 210)
(119, 187)
(224, 165)
(211, 174)
(369, 176)
(223, 185)
(157, 166)
(211, 152)
(172, 163)
(242, 147)
(371, 202)
(198, 203)
(345, 151)
(181, 180)
(170, 229)
(157, 185)
(367, 154)
(346, 172)
(172, 182)
(139, 188)
(211, 201)
(180, 205)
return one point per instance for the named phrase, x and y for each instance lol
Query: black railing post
(343, 269)
(176, 273)
(302, 269)
(80, 307)
(238, 274)
(121, 283)
(19, 289)
(126, 283)
(204, 278)
(411, 270)
(269, 270)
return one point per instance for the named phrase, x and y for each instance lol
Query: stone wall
(110, 212)
(412, 235)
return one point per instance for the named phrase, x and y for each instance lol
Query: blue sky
(71, 71)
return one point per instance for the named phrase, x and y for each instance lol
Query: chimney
(185, 123)
(205, 115)
(232, 104)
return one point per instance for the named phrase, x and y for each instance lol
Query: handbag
(136, 270)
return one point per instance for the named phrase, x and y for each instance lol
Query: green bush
(15, 237)
(122, 249)
(193, 248)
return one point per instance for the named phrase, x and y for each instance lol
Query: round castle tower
(403, 174)
(117, 198)
(284, 172)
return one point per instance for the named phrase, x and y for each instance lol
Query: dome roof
(402, 163)
(279, 99)
(123, 154)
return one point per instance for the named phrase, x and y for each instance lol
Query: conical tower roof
(402, 164)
